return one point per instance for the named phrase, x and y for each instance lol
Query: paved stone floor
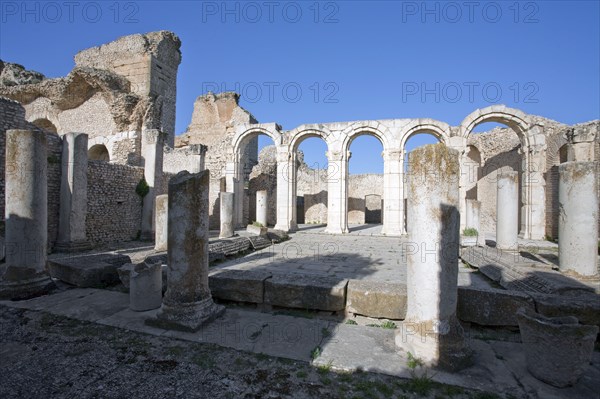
(363, 254)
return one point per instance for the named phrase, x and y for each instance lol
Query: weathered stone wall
(213, 124)
(114, 208)
(12, 116)
(150, 62)
(190, 158)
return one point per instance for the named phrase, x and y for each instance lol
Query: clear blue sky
(303, 62)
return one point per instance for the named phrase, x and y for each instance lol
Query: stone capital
(392, 155)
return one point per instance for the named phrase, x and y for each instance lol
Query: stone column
(507, 211)
(226, 202)
(152, 153)
(393, 193)
(161, 223)
(337, 192)
(286, 194)
(73, 194)
(26, 226)
(431, 331)
(578, 219)
(472, 220)
(262, 207)
(188, 303)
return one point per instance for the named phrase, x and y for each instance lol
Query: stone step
(483, 306)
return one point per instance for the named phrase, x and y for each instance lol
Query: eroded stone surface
(376, 299)
(306, 292)
(558, 349)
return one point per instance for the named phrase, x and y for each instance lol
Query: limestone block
(259, 231)
(145, 291)
(306, 292)
(376, 299)
(125, 271)
(491, 307)
(238, 285)
(557, 349)
(583, 305)
(88, 271)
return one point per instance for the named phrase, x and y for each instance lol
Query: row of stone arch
(393, 135)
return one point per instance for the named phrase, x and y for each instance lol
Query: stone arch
(45, 125)
(370, 128)
(533, 162)
(243, 135)
(319, 200)
(438, 129)
(516, 119)
(301, 133)
(99, 143)
(43, 117)
(98, 152)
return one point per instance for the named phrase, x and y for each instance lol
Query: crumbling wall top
(164, 45)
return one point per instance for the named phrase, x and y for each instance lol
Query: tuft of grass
(373, 325)
(301, 374)
(257, 224)
(389, 325)
(325, 332)
(324, 368)
(315, 353)
(470, 232)
(351, 322)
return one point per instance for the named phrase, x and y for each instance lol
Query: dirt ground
(47, 356)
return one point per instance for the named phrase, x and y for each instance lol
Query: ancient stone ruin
(492, 232)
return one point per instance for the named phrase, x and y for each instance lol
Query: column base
(72, 246)
(186, 316)
(26, 289)
(439, 344)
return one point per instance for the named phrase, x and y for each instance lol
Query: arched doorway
(98, 152)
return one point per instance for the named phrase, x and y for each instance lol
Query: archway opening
(259, 158)
(365, 182)
(415, 141)
(98, 152)
(45, 125)
(310, 186)
(502, 147)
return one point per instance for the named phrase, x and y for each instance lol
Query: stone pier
(188, 302)
(262, 207)
(578, 219)
(226, 203)
(161, 222)
(431, 331)
(26, 228)
(507, 211)
(73, 194)
(473, 211)
(152, 154)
